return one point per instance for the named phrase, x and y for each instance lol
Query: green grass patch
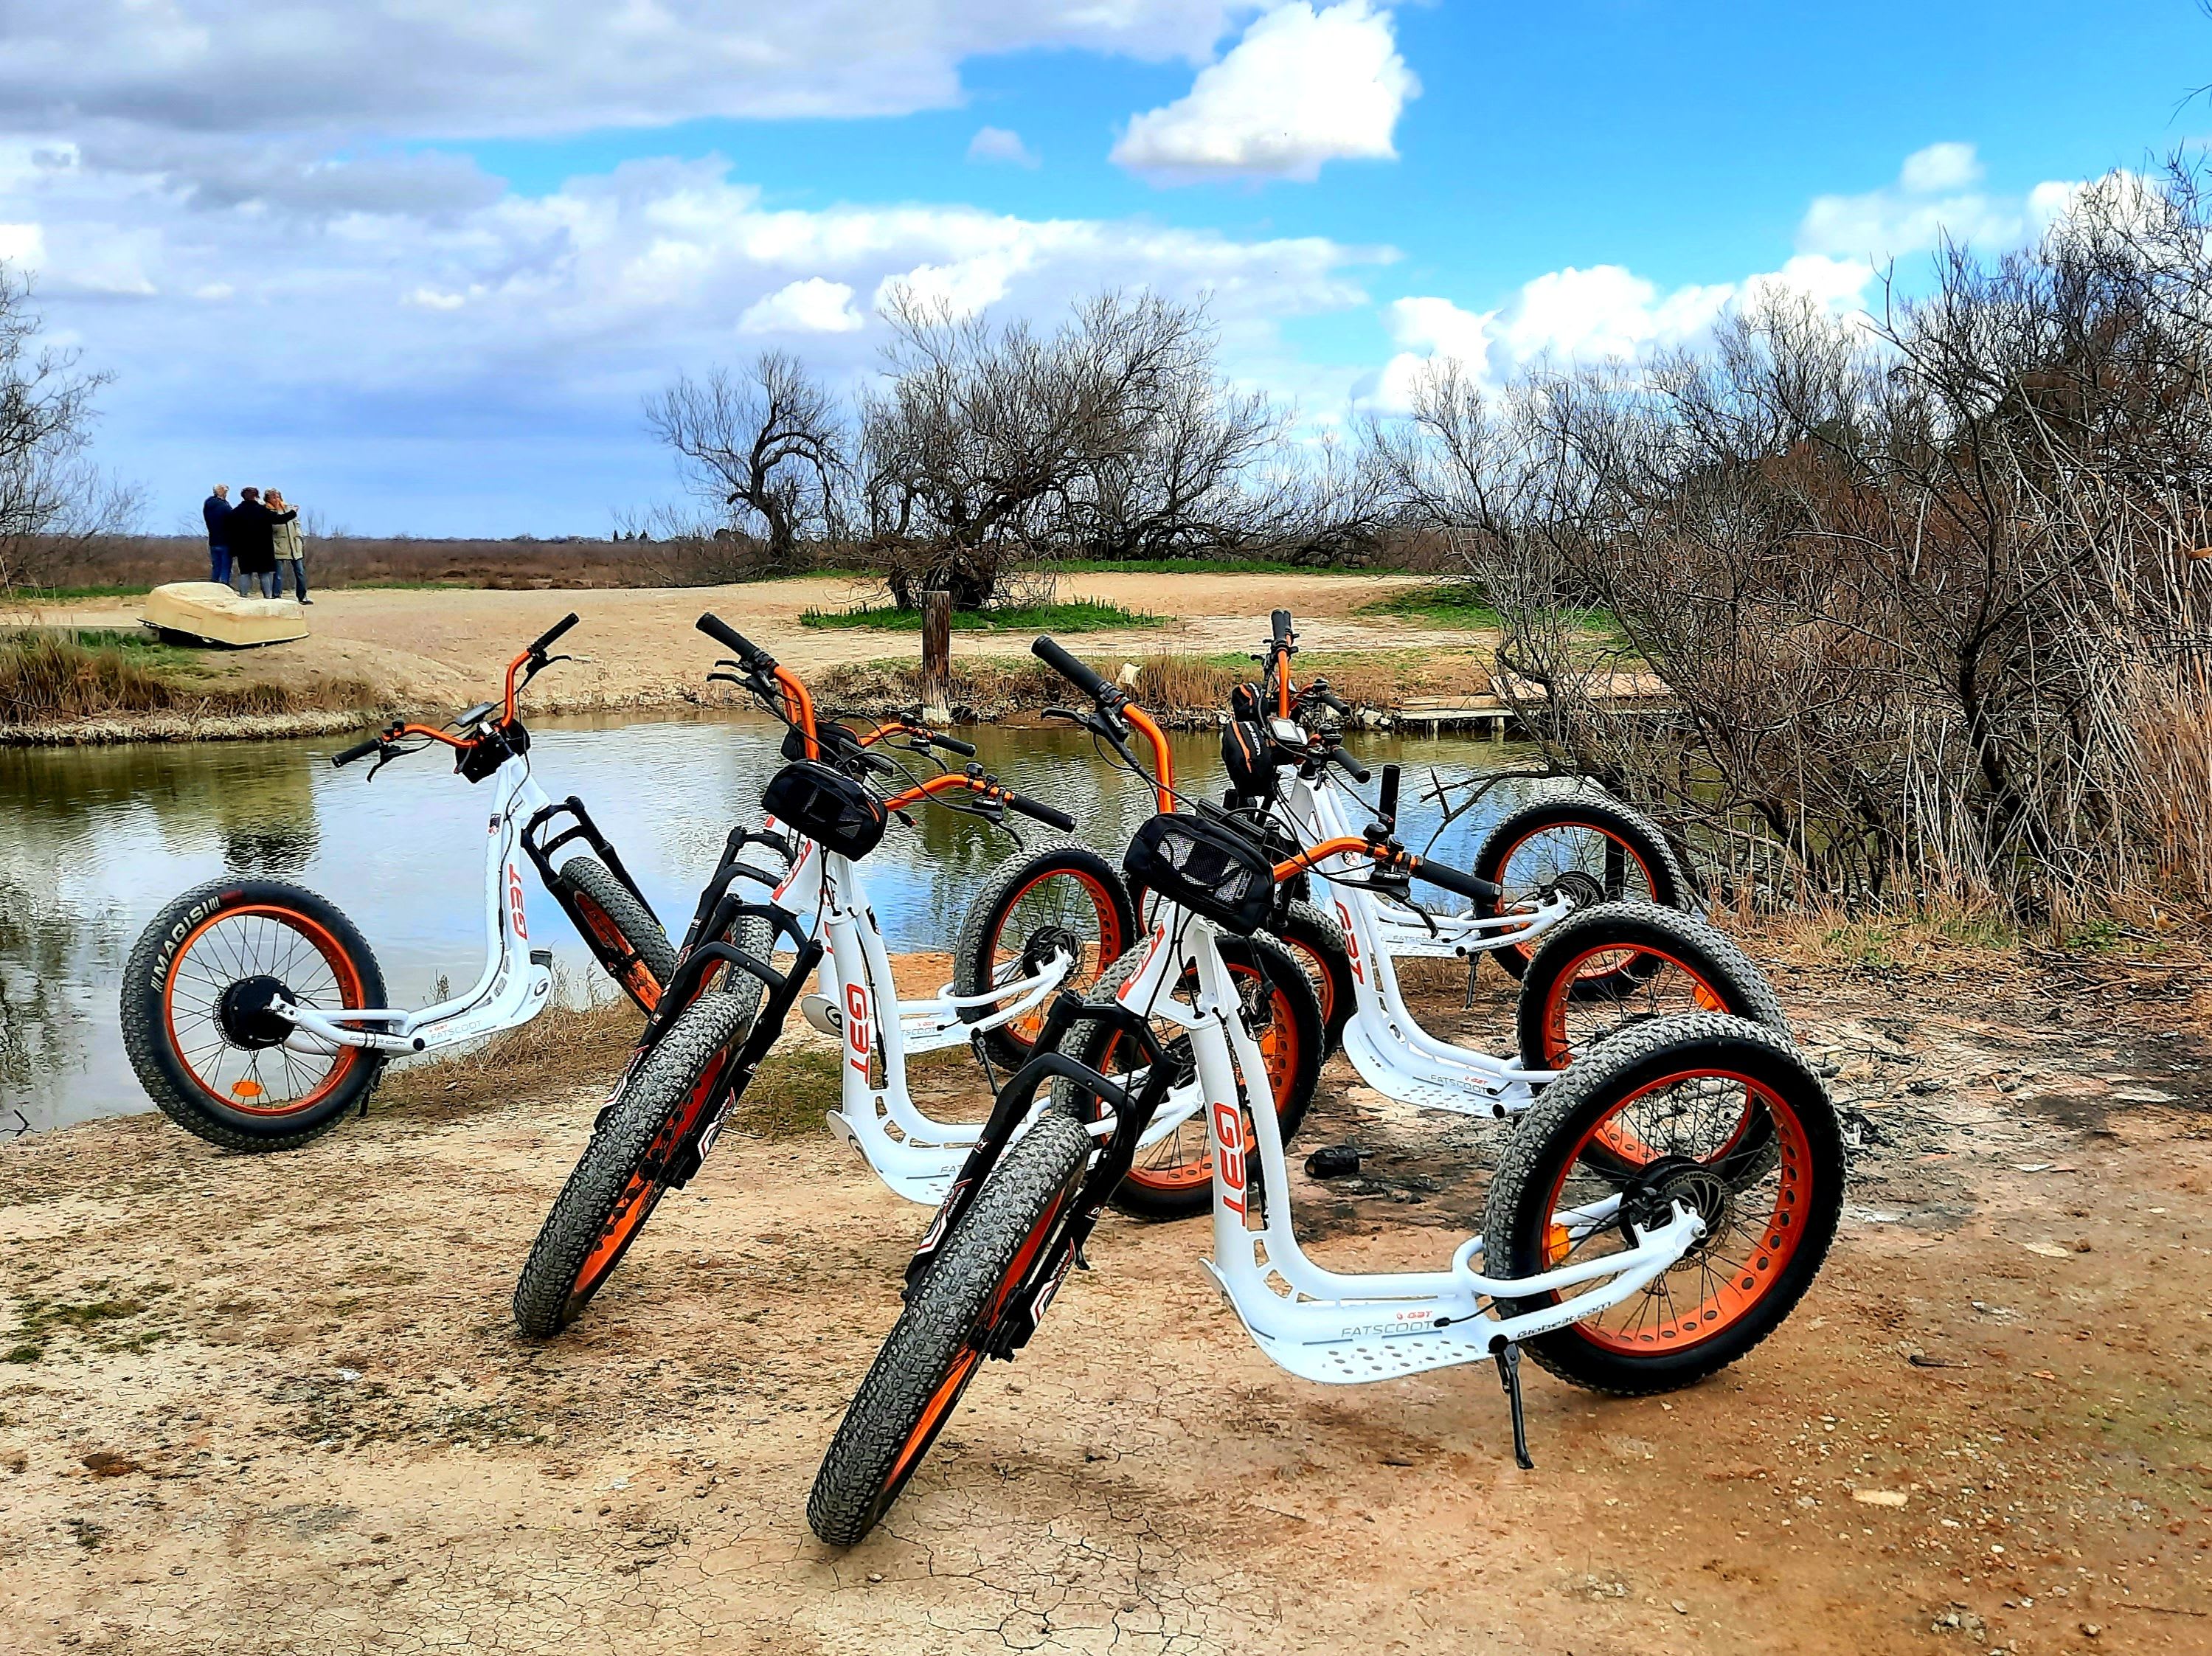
(1444, 604)
(53, 594)
(795, 1089)
(1081, 615)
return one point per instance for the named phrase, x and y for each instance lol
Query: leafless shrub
(1913, 595)
(53, 502)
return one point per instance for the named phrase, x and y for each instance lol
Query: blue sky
(425, 280)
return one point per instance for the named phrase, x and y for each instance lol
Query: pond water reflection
(93, 841)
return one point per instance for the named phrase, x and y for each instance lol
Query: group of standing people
(250, 543)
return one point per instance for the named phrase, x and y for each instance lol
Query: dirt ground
(637, 646)
(277, 1404)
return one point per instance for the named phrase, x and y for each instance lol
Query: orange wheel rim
(1185, 1158)
(641, 1194)
(1105, 952)
(243, 1093)
(1732, 1273)
(636, 978)
(1504, 863)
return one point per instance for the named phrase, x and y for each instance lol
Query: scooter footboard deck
(1368, 1345)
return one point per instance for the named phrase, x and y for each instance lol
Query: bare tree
(52, 499)
(770, 444)
(989, 441)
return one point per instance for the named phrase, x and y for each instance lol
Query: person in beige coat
(289, 547)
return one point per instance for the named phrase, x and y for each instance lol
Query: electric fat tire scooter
(253, 1010)
(1629, 1280)
(796, 885)
(1596, 967)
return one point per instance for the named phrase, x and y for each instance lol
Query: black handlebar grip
(965, 750)
(545, 640)
(735, 641)
(358, 750)
(1345, 763)
(1043, 812)
(1452, 880)
(1069, 668)
(1389, 811)
(1281, 621)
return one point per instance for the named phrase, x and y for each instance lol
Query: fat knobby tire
(592, 882)
(1516, 1217)
(161, 1070)
(1670, 887)
(977, 942)
(1311, 931)
(863, 1472)
(545, 1300)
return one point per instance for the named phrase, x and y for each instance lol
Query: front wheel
(1317, 942)
(200, 1019)
(1062, 899)
(1682, 1089)
(644, 1145)
(1593, 848)
(924, 1367)
(620, 931)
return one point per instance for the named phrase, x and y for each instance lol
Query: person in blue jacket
(214, 510)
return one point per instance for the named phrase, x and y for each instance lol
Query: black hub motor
(247, 1013)
(1647, 1200)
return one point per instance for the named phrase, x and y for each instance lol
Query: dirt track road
(279, 1405)
(637, 645)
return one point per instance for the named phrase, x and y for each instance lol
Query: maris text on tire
(1682, 1088)
(934, 1350)
(199, 1000)
(645, 1141)
(1060, 896)
(1589, 844)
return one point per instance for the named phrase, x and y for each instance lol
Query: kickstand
(1473, 966)
(1508, 1376)
(990, 1074)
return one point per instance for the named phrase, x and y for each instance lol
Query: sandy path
(320, 1433)
(638, 646)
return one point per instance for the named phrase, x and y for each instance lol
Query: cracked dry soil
(276, 1404)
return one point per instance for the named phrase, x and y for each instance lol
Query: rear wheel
(619, 929)
(1316, 943)
(1173, 1176)
(199, 1019)
(926, 1365)
(1682, 1089)
(1063, 897)
(645, 1143)
(1595, 849)
(1622, 966)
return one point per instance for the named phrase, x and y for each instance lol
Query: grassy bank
(1181, 689)
(49, 677)
(1079, 615)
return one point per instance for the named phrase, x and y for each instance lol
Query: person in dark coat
(250, 528)
(215, 510)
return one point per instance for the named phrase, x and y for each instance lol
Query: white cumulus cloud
(1934, 196)
(809, 304)
(996, 144)
(1304, 87)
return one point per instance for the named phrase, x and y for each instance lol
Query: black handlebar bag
(827, 806)
(1200, 865)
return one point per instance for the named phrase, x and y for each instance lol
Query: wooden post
(936, 656)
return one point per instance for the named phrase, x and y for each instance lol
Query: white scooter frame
(516, 983)
(1385, 1042)
(1327, 1325)
(858, 1003)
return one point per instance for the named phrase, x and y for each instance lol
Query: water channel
(95, 840)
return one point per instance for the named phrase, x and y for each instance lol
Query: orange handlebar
(1344, 844)
(951, 779)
